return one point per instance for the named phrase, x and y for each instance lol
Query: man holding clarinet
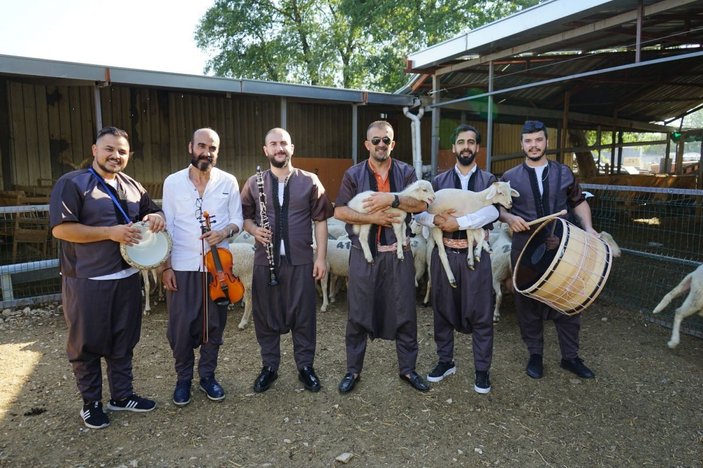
(278, 206)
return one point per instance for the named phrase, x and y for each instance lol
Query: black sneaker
(93, 415)
(577, 366)
(441, 370)
(482, 383)
(212, 388)
(132, 403)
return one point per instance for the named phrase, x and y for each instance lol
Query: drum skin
(563, 266)
(152, 250)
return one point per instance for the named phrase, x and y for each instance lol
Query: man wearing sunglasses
(545, 187)
(381, 295)
(469, 307)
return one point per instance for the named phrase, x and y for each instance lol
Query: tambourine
(151, 251)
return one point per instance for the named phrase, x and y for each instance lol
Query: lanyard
(112, 195)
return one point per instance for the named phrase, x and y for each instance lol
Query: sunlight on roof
(17, 364)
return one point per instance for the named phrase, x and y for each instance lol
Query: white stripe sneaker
(132, 403)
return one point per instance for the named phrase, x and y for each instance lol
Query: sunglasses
(376, 140)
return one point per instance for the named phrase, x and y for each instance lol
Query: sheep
(463, 202)
(243, 267)
(693, 282)
(418, 247)
(421, 190)
(337, 267)
(335, 228)
(150, 278)
(501, 268)
(244, 238)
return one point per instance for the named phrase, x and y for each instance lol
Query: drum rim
(550, 271)
(125, 249)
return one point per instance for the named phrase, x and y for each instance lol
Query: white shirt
(183, 205)
(474, 220)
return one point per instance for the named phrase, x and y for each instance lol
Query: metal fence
(660, 232)
(29, 270)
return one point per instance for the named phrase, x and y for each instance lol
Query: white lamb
(693, 282)
(243, 267)
(421, 190)
(464, 202)
(501, 269)
(337, 268)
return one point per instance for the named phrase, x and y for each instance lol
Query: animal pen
(660, 231)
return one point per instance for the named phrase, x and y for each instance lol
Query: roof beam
(567, 35)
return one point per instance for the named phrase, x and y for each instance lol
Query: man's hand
(378, 201)
(385, 218)
(262, 235)
(516, 223)
(168, 278)
(156, 222)
(125, 234)
(319, 269)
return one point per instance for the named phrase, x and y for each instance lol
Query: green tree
(348, 43)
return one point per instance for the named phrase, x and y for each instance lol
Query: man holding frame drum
(92, 211)
(546, 187)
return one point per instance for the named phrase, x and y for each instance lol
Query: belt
(456, 244)
(392, 247)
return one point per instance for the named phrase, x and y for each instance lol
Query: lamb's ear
(514, 193)
(492, 192)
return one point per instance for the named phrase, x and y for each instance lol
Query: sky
(141, 34)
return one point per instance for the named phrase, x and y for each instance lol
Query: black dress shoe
(265, 379)
(535, 369)
(348, 382)
(309, 379)
(416, 382)
(576, 366)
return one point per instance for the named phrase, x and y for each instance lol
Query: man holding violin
(279, 205)
(203, 210)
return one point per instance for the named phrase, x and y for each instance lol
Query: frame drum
(151, 251)
(563, 266)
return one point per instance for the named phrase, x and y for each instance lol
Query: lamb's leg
(248, 306)
(324, 282)
(428, 256)
(437, 236)
(692, 304)
(364, 241)
(399, 231)
(499, 298)
(680, 288)
(147, 291)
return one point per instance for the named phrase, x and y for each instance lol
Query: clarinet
(265, 224)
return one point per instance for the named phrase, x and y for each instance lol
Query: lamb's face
(424, 191)
(504, 194)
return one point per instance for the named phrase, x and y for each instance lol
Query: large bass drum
(151, 251)
(563, 266)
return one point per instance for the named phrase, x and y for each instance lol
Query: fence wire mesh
(661, 234)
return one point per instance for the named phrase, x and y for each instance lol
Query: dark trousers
(104, 321)
(185, 326)
(289, 306)
(468, 308)
(381, 298)
(531, 316)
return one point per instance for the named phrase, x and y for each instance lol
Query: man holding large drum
(546, 187)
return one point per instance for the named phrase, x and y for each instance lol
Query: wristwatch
(396, 201)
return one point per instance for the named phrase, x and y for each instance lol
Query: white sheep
(463, 202)
(421, 190)
(501, 268)
(335, 228)
(337, 268)
(150, 279)
(693, 282)
(418, 247)
(244, 238)
(243, 267)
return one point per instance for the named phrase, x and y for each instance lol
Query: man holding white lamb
(468, 307)
(381, 294)
(545, 187)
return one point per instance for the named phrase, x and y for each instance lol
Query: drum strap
(109, 191)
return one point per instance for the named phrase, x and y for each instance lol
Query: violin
(225, 288)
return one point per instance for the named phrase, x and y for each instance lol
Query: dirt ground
(643, 409)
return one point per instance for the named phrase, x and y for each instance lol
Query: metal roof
(79, 73)
(583, 56)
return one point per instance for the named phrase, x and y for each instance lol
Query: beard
(535, 158)
(201, 163)
(277, 163)
(466, 160)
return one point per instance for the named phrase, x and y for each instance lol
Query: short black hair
(118, 132)
(465, 128)
(533, 126)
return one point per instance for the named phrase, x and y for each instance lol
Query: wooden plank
(19, 131)
(43, 152)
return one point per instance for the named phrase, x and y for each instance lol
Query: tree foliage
(348, 43)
